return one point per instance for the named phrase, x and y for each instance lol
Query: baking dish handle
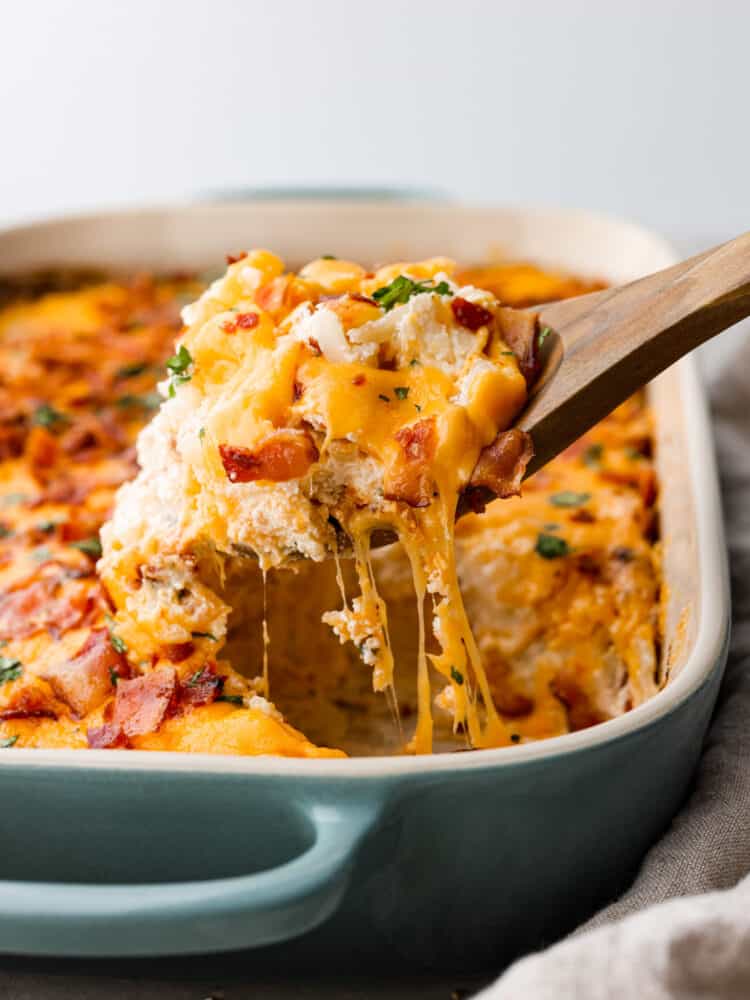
(245, 911)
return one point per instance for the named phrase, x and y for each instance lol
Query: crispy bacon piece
(141, 704)
(85, 681)
(41, 452)
(232, 258)
(285, 455)
(106, 736)
(43, 604)
(409, 478)
(243, 321)
(469, 314)
(500, 468)
(29, 703)
(176, 652)
(203, 687)
(520, 331)
(580, 709)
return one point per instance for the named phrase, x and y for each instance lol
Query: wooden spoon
(602, 347)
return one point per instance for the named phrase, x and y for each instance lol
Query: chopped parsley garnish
(10, 670)
(5, 531)
(457, 676)
(508, 354)
(113, 677)
(91, 546)
(204, 635)
(131, 370)
(47, 416)
(551, 547)
(177, 366)
(401, 391)
(569, 498)
(402, 288)
(542, 335)
(593, 454)
(197, 677)
(8, 742)
(117, 643)
(329, 256)
(634, 455)
(47, 527)
(386, 399)
(201, 433)
(417, 407)
(233, 699)
(414, 361)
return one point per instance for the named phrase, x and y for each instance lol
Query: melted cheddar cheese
(208, 564)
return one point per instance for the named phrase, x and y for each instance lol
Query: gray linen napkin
(682, 931)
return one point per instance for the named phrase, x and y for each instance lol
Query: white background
(636, 108)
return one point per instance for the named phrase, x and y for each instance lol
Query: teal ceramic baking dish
(452, 860)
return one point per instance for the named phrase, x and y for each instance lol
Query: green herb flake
(402, 288)
(634, 454)
(457, 676)
(8, 742)
(41, 554)
(569, 498)
(47, 527)
(593, 455)
(401, 391)
(47, 416)
(117, 643)
(5, 531)
(329, 256)
(386, 399)
(233, 699)
(204, 635)
(113, 677)
(417, 407)
(507, 354)
(414, 362)
(90, 546)
(177, 366)
(551, 547)
(195, 678)
(201, 433)
(10, 670)
(542, 335)
(131, 370)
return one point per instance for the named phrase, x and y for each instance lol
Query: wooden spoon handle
(606, 345)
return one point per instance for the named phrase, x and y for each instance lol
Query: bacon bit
(35, 606)
(582, 516)
(501, 466)
(315, 346)
(176, 652)
(30, 703)
(41, 452)
(243, 321)
(470, 315)
(519, 330)
(142, 703)
(202, 688)
(283, 456)
(408, 479)
(85, 681)
(297, 390)
(359, 380)
(107, 736)
(232, 258)
(505, 696)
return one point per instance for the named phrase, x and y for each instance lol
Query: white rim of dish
(707, 651)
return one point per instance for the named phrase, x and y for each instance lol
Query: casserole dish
(456, 860)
